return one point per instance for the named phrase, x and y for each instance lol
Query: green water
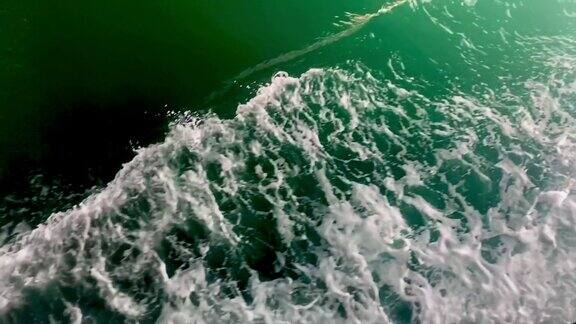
(309, 161)
(66, 64)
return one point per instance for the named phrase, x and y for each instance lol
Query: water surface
(321, 162)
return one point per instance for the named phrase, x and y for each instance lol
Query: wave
(336, 196)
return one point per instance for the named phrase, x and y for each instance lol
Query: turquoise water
(368, 162)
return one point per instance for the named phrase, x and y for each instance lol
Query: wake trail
(356, 24)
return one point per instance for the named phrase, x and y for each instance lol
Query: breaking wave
(337, 196)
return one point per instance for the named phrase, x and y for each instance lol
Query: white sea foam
(448, 219)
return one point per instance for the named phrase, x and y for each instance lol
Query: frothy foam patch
(332, 197)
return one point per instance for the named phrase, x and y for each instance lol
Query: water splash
(337, 196)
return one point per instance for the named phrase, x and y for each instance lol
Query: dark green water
(411, 162)
(105, 71)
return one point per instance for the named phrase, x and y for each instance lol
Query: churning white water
(337, 196)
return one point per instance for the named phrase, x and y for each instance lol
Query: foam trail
(354, 26)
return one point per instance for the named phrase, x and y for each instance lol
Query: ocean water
(409, 162)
